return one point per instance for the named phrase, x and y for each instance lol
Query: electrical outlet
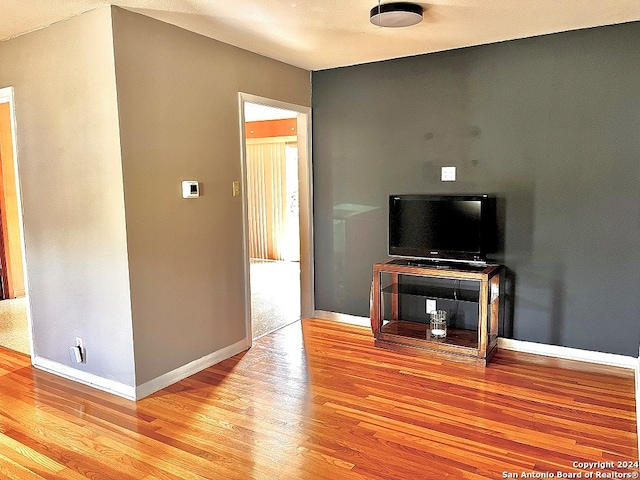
(79, 351)
(431, 306)
(75, 354)
(448, 174)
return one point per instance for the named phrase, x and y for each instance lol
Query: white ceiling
(320, 34)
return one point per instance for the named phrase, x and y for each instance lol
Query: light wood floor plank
(316, 400)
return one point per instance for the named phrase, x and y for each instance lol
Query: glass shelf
(421, 331)
(432, 291)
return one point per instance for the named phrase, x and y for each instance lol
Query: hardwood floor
(317, 401)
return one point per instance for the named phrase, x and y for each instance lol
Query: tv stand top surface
(442, 264)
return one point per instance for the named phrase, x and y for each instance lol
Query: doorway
(14, 324)
(276, 204)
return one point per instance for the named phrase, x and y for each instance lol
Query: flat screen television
(447, 227)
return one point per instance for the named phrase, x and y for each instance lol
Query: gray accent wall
(70, 174)
(551, 125)
(179, 120)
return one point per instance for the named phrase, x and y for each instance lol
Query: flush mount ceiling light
(396, 14)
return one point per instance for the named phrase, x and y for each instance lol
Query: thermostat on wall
(190, 189)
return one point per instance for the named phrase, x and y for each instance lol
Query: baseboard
(189, 369)
(141, 391)
(600, 358)
(95, 381)
(638, 400)
(343, 317)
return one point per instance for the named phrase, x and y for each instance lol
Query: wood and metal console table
(403, 292)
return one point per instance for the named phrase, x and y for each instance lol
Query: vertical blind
(267, 199)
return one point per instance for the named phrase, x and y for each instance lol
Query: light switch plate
(448, 174)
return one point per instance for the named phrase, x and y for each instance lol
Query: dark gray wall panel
(550, 124)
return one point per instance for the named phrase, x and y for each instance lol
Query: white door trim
(305, 185)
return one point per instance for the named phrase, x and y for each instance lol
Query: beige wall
(178, 109)
(166, 278)
(69, 167)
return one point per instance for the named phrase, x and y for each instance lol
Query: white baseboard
(638, 401)
(610, 359)
(152, 386)
(189, 369)
(95, 381)
(600, 358)
(343, 317)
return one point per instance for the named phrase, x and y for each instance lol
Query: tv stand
(470, 293)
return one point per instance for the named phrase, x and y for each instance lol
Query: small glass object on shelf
(438, 324)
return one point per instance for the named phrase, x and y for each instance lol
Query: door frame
(305, 204)
(7, 96)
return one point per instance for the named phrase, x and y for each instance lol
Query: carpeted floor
(14, 330)
(275, 295)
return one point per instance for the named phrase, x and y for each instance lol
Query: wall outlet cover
(448, 174)
(431, 306)
(75, 354)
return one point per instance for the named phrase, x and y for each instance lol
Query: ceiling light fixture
(396, 14)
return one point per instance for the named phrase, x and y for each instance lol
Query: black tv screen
(452, 227)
